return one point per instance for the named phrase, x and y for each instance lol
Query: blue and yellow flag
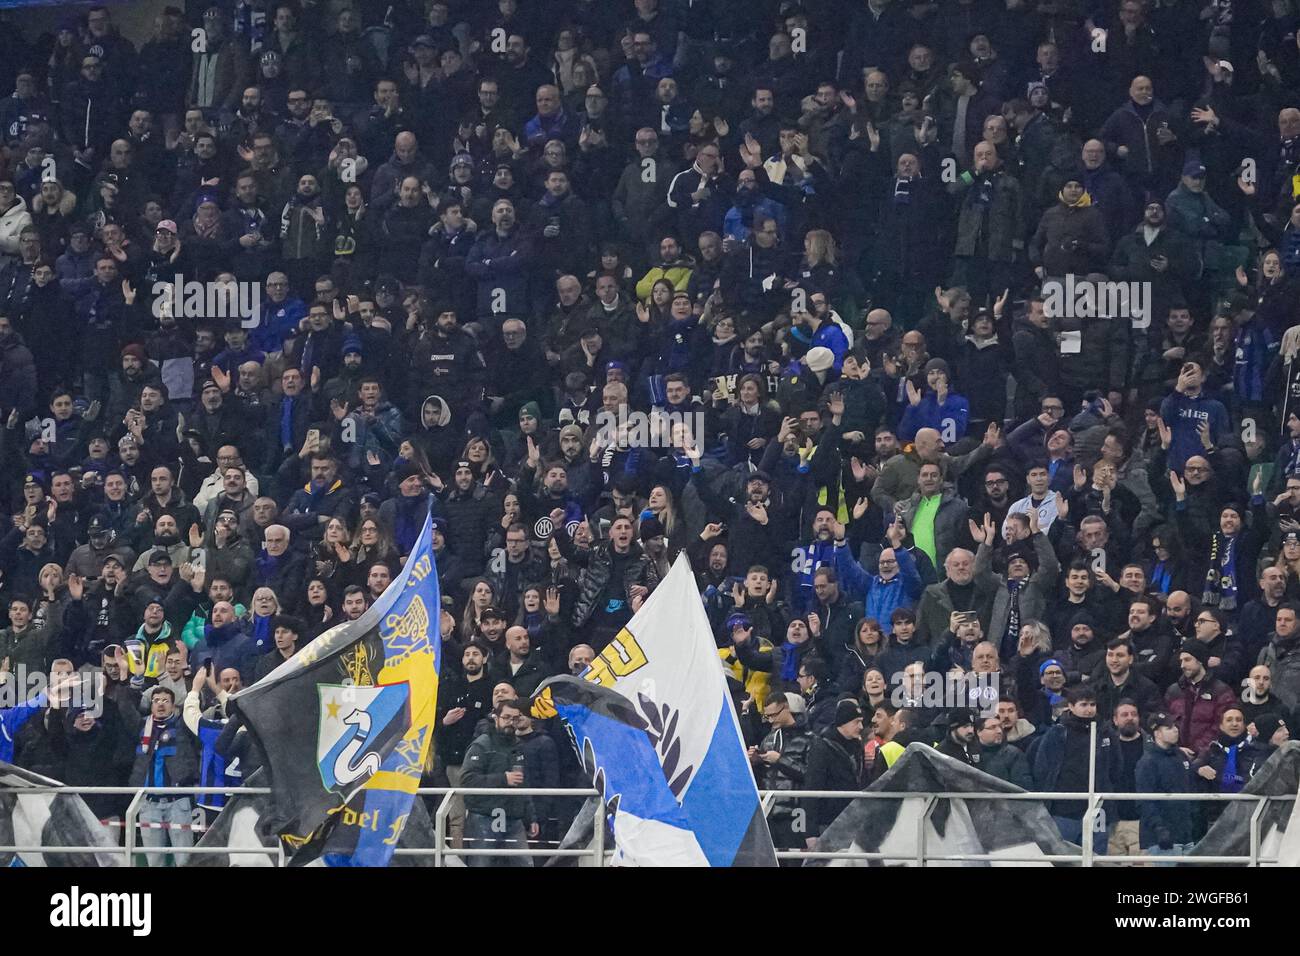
(347, 723)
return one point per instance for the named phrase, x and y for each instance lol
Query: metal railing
(596, 854)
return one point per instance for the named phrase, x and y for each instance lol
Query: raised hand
(1179, 486)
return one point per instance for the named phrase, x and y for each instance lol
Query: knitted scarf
(1230, 781)
(1012, 633)
(1221, 578)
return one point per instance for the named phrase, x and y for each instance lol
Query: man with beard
(835, 762)
(495, 760)
(1124, 829)
(1197, 701)
(960, 743)
(444, 360)
(305, 240)
(999, 758)
(1155, 254)
(500, 262)
(752, 537)
(1282, 657)
(1118, 678)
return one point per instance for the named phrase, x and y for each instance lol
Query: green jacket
(487, 761)
(34, 648)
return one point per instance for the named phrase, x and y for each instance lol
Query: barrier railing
(596, 854)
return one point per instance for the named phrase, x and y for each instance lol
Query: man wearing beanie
(124, 388)
(835, 762)
(1271, 732)
(1198, 700)
(960, 743)
(939, 407)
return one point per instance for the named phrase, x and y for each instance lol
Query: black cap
(845, 711)
(960, 717)
(1162, 719)
(1198, 649)
(159, 556)
(1267, 725)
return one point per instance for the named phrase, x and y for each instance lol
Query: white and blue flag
(669, 758)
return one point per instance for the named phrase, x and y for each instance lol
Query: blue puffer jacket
(880, 598)
(949, 418)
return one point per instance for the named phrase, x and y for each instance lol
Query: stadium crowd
(602, 282)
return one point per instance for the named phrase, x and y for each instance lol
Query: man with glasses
(638, 202)
(495, 821)
(880, 338)
(779, 763)
(88, 108)
(699, 196)
(281, 315)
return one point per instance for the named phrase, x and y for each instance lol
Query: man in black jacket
(495, 760)
(834, 763)
(780, 762)
(1117, 680)
(462, 703)
(960, 743)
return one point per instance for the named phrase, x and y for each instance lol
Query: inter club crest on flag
(356, 726)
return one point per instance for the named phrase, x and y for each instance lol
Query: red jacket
(1198, 709)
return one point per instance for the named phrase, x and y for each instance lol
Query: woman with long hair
(750, 422)
(663, 505)
(371, 544)
(869, 643)
(659, 305)
(332, 551)
(874, 690)
(820, 266)
(481, 597)
(1288, 560)
(482, 462)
